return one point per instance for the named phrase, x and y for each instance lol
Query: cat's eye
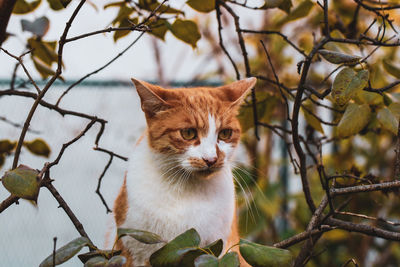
(189, 133)
(225, 134)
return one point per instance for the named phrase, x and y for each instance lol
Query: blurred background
(272, 205)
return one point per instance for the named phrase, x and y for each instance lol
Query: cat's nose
(210, 161)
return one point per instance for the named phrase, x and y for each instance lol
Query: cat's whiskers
(250, 175)
(249, 200)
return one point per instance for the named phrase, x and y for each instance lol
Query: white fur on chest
(156, 206)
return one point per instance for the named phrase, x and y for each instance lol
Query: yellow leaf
(272, 3)
(6, 146)
(391, 69)
(395, 109)
(23, 7)
(337, 57)
(38, 147)
(45, 51)
(22, 182)
(300, 11)
(388, 120)
(124, 23)
(311, 120)
(159, 28)
(354, 119)
(203, 5)
(347, 84)
(370, 98)
(187, 31)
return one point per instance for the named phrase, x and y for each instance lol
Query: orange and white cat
(180, 175)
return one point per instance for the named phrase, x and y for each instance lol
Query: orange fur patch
(190, 108)
(121, 204)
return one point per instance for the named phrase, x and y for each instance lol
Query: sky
(83, 56)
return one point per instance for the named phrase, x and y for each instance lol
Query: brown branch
(8, 202)
(108, 210)
(221, 41)
(367, 217)
(363, 229)
(112, 155)
(6, 7)
(78, 225)
(54, 250)
(97, 70)
(17, 125)
(108, 30)
(284, 37)
(48, 85)
(307, 248)
(276, 79)
(364, 188)
(43, 103)
(21, 62)
(302, 236)
(295, 124)
(66, 145)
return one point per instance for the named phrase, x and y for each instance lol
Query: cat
(179, 175)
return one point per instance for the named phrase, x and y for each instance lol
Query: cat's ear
(151, 101)
(236, 91)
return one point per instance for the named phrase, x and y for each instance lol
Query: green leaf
(172, 253)
(151, 5)
(22, 182)
(300, 11)
(98, 261)
(215, 247)
(116, 261)
(124, 23)
(263, 256)
(23, 7)
(92, 254)
(38, 147)
(391, 69)
(191, 254)
(395, 109)
(66, 252)
(123, 13)
(39, 26)
(338, 58)
(6, 146)
(347, 84)
(206, 260)
(272, 3)
(388, 120)
(115, 4)
(159, 28)
(387, 100)
(354, 119)
(45, 51)
(370, 98)
(58, 4)
(202, 5)
(230, 259)
(43, 69)
(186, 30)
(139, 235)
(2, 159)
(311, 120)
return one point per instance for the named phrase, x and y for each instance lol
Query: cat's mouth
(206, 172)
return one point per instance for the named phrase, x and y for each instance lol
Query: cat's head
(196, 128)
